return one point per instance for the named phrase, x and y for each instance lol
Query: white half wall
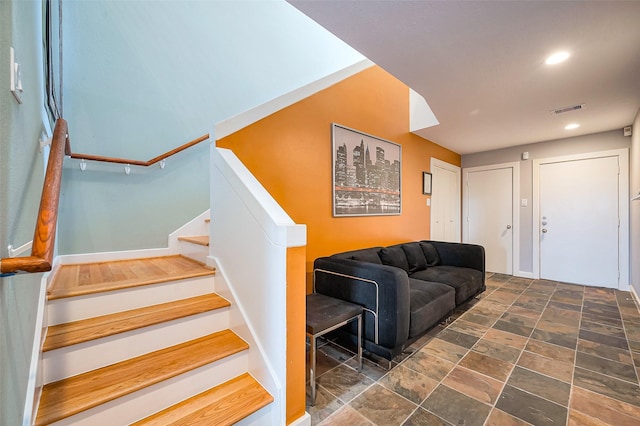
(250, 234)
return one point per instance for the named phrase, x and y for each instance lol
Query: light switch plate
(524, 202)
(15, 83)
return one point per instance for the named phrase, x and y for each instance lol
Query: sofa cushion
(430, 253)
(465, 281)
(415, 257)
(430, 302)
(394, 256)
(364, 255)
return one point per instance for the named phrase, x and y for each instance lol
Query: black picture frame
(426, 183)
(366, 173)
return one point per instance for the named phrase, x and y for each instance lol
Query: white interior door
(489, 198)
(579, 220)
(445, 201)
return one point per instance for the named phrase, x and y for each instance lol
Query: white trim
(277, 224)
(304, 420)
(515, 208)
(34, 384)
(623, 208)
(634, 294)
(457, 170)
(231, 125)
(71, 259)
(523, 274)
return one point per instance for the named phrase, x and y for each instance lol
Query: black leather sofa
(405, 289)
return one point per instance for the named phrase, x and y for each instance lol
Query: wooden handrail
(133, 162)
(41, 258)
(45, 233)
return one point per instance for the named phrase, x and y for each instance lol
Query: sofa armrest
(460, 254)
(382, 290)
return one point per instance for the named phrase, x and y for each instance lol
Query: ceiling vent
(568, 109)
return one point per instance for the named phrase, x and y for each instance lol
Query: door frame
(455, 169)
(515, 211)
(623, 208)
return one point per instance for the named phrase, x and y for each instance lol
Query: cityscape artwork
(366, 174)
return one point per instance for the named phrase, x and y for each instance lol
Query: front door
(579, 220)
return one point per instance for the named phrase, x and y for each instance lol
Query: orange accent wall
(296, 396)
(290, 153)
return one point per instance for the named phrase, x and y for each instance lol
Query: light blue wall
(21, 174)
(141, 78)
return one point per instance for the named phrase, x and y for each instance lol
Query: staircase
(145, 342)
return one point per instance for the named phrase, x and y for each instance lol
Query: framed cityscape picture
(366, 174)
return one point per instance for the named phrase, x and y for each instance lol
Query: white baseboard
(635, 295)
(522, 274)
(70, 259)
(304, 420)
(35, 383)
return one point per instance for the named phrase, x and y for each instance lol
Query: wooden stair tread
(90, 278)
(73, 395)
(72, 333)
(222, 405)
(201, 240)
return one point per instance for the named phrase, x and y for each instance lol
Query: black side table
(325, 314)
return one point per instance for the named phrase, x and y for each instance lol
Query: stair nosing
(221, 394)
(106, 383)
(103, 288)
(107, 325)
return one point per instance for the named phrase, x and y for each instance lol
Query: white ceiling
(480, 64)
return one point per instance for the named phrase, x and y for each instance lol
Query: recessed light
(556, 58)
(571, 126)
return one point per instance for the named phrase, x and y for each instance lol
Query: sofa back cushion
(415, 257)
(430, 253)
(394, 256)
(365, 255)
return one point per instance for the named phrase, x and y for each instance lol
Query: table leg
(312, 369)
(360, 342)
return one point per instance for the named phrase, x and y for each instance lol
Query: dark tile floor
(526, 352)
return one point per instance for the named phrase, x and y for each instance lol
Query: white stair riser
(145, 402)
(70, 309)
(76, 359)
(264, 416)
(194, 251)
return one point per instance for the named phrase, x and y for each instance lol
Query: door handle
(544, 230)
(508, 226)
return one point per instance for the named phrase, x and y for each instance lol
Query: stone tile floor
(526, 352)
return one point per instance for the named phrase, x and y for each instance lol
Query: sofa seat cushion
(466, 281)
(429, 303)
